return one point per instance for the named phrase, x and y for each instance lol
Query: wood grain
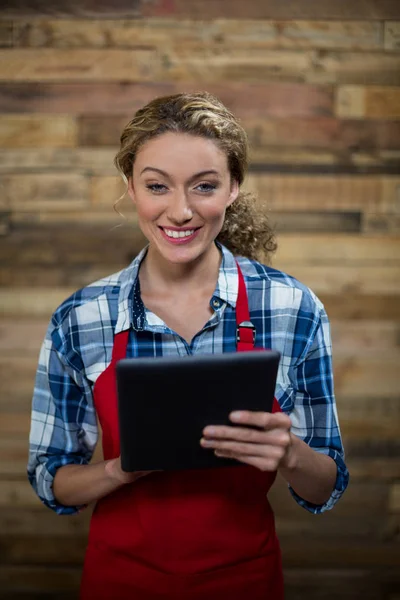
(249, 65)
(304, 192)
(46, 191)
(392, 35)
(36, 131)
(217, 35)
(322, 133)
(267, 98)
(74, 65)
(86, 161)
(274, 9)
(317, 86)
(337, 248)
(373, 102)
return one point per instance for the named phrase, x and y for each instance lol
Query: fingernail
(207, 443)
(235, 416)
(209, 431)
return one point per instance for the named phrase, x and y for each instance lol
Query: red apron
(205, 534)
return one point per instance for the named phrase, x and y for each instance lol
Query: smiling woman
(190, 534)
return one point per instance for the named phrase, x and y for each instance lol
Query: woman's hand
(115, 472)
(268, 447)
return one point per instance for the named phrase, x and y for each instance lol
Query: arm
(82, 484)
(306, 447)
(64, 434)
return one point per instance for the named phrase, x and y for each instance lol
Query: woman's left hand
(268, 447)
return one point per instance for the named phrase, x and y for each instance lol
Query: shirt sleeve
(314, 416)
(63, 422)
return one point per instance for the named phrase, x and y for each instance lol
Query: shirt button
(216, 303)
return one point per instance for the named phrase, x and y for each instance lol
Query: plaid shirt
(78, 346)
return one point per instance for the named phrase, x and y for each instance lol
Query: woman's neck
(157, 274)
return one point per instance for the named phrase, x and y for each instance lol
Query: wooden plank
(196, 9)
(32, 302)
(379, 224)
(74, 65)
(372, 102)
(322, 249)
(367, 409)
(216, 35)
(263, 158)
(45, 191)
(36, 131)
(374, 468)
(394, 498)
(325, 192)
(321, 279)
(254, 64)
(52, 550)
(371, 448)
(86, 161)
(364, 375)
(108, 98)
(345, 279)
(78, 275)
(68, 215)
(17, 494)
(368, 583)
(49, 245)
(352, 554)
(392, 35)
(104, 191)
(6, 34)
(32, 579)
(365, 336)
(323, 133)
(62, 246)
(26, 335)
(312, 222)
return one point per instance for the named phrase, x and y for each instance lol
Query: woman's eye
(206, 187)
(157, 188)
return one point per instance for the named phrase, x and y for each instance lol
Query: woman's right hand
(114, 471)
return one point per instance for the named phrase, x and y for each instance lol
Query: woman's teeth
(179, 234)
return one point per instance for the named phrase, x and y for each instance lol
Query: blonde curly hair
(246, 230)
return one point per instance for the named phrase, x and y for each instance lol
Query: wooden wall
(317, 86)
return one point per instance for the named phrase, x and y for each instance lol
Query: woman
(191, 534)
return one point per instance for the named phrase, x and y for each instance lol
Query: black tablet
(165, 402)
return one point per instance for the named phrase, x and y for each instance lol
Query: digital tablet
(164, 403)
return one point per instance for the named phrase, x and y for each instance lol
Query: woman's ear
(131, 191)
(234, 193)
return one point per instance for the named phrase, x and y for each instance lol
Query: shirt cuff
(342, 480)
(42, 482)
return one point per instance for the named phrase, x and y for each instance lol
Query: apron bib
(184, 535)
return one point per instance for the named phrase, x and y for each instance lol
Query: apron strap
(120, 345)
(245, 330)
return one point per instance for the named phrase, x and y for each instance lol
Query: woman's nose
(179, 210)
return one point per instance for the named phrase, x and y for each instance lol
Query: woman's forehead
(181, 150)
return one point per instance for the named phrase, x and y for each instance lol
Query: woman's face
(181, 187)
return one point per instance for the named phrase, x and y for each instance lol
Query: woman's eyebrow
(195, 176)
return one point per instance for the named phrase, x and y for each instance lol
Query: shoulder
(284, 290)
(89, 308)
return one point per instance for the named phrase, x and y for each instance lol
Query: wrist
(114, 473)
(290, 460)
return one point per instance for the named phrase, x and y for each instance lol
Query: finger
(264, 464)
(243, 434)
(238, 448)
(263, 420)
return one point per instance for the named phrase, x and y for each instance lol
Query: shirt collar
(131, 311)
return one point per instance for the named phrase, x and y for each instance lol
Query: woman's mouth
(179, 236)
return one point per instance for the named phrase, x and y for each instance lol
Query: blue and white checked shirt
(78, 346)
